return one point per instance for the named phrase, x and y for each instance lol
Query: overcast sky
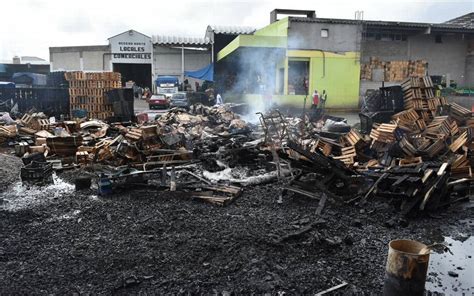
(30, 27)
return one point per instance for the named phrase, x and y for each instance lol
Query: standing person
(210, 95)
(219, 100)
(324, 97)
(315, 100)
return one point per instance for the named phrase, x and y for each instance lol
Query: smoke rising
(259, 71)
(253, 71)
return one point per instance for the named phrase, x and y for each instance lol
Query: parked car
(158, 101)
(179, 100)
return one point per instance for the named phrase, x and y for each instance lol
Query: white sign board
(131, 47)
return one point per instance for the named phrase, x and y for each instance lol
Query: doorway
(140, 73)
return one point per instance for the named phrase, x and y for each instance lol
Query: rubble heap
(426, 148)
(421, 158)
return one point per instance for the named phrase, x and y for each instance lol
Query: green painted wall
(252, 41)
(337, 73)
(340, 80)
(279, 28)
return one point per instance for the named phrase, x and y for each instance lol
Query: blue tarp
(206, 73)
(4, 84)
(29, 78)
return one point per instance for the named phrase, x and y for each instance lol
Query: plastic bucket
(82, 183)
(405, 272)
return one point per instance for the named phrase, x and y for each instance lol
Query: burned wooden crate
(37, 173)
(347, 155)
(459, 113)
(461, 167)
(407, 120)
(353, 138)
(64, 146)
(420, 187)
(218, 195)
(336, 180)
(82, 157)
(385, 133)
(407, 147)
(459, 142)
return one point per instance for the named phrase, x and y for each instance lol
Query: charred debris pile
(421, 158)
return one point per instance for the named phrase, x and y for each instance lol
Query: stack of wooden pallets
(87, 91)
(393, 70)
(459, 113)
(418, 94)
(429, 130)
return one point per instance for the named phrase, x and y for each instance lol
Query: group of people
(319, 100)
(140, 92)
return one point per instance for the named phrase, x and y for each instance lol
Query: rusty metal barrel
(405, 272)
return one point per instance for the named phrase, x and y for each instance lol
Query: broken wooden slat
(459, 142)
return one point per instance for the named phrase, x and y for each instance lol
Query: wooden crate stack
(418, 94)
(87, 91)
(459, 113)
(394, 70)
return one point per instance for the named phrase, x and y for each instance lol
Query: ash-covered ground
(55, 240)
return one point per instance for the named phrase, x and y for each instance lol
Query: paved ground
(55, 241)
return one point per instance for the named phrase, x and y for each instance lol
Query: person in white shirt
(219, 100)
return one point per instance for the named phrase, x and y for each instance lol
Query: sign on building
(131, 47)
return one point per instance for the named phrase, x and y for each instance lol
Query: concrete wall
(167, 61)
(65, 61)
(306, 35)
(469, 79)
(446, 58)
(94, 58)
(385, 50)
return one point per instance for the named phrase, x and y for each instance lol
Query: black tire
(339, 129)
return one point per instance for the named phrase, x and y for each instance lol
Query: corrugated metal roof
(379, 23)
(233, 30)
(466, 21)
(180, 40)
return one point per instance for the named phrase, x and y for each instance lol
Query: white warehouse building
(142, 58)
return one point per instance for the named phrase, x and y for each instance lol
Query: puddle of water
(19, 197)
(460, 263)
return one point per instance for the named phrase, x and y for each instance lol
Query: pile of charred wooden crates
(87, 92)
(420, 156)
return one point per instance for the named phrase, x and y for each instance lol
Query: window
(325, 33)
(383, 36)
(438, 39)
